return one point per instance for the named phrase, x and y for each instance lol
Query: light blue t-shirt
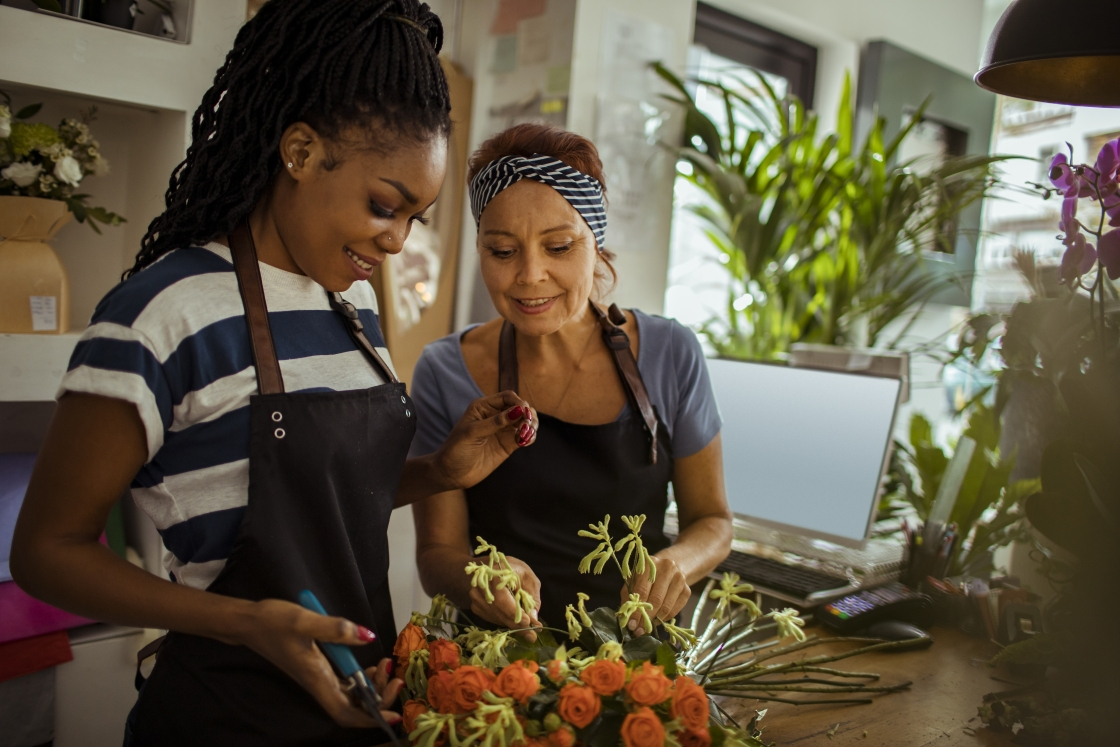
(670, 361)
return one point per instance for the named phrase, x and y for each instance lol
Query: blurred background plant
(823, 243)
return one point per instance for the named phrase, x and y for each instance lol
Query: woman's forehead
(530, 205)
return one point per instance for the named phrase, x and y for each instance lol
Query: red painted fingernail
(393, 721)
(523, 431)
(389, 669)
(516, 413)
(366, 635)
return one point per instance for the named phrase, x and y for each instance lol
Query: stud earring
(289, 164)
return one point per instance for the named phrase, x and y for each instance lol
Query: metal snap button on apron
(404, 401)
(408, 413)
(277, 417)
(279, 433)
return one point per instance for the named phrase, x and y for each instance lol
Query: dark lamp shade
(1061, 51)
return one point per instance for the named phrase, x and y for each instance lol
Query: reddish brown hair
(549, 140)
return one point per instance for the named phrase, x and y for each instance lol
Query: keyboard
(779, 577)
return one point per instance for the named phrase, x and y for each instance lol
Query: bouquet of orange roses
(604, 686)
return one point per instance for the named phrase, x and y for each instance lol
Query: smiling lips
(362, 266)
(534, 305)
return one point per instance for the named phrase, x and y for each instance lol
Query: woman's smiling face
(537, 256)
(340, 212)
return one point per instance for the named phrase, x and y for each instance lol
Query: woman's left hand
(668, 594)
(490, 430)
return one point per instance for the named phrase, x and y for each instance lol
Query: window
(731, 51)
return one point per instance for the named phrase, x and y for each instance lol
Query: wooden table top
(950, 679)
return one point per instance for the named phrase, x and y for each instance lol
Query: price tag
(44, 313)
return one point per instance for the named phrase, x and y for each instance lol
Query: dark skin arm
(94, 447)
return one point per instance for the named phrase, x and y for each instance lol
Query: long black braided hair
(335, 64)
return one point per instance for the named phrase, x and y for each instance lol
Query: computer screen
(804, 450)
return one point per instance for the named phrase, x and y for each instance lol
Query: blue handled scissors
(350, 670)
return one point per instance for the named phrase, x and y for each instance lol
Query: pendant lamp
(1060, 51)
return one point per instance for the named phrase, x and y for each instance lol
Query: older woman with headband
(625, 406)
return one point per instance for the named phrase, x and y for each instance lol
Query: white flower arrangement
(37, 160)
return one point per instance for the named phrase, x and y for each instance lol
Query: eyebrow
(497, 232)
(405, 192)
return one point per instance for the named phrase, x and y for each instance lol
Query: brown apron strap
(269, 379)
(507, 359)
(355, 327)
(619, 342)
(151, 649)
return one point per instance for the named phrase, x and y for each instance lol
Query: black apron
(533, 506)
(324, 469)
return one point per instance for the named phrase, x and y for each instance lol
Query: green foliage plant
(821, 239)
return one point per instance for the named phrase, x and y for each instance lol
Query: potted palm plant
(822, 239)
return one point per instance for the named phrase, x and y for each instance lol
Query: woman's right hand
(503, 610)
(285, 634)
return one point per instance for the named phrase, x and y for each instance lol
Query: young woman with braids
(237, 382)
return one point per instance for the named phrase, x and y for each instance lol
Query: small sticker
(44, 313)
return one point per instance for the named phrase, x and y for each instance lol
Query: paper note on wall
(630, 115)
(44, 313)
(533, 38)
(512, 12)
(505, 54)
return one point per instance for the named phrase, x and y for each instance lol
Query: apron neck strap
(619, 343)
(244, 252)
(355, 327)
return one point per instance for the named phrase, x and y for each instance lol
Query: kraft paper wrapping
(30, 272)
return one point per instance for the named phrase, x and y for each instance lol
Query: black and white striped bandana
(582, 192)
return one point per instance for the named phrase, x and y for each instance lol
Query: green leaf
(604, 629)
(31, 109)
(640, 649)
(665, 656)
(604, 731)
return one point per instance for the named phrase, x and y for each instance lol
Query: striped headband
(582, 192)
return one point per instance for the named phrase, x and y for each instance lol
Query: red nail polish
(516, 413)
(366, 635)
(393, 721)
(523, 431)
(389, 669)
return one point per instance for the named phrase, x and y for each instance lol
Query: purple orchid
(1108, 161)
(1079, 258)
(1062, 175)
(1110, 253)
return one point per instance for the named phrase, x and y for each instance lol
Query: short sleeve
(441, 390)
(696, 420)
(112, 360)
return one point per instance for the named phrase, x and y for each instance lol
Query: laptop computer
(804, 455)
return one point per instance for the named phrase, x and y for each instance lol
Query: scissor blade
(369, 700)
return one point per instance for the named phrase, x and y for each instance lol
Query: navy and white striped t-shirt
(173, 340)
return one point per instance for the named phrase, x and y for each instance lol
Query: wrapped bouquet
(596, 683)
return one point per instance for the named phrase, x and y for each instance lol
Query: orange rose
(443, 654)
(467, 686)
(648, 686)
(557, 670)
(517, 681)
(561, 738)
(439, 692)
(605, 677)
(690, 704)
(579, 705)
(643, 728)
(410, 639)
(694, 737)
(412, 709)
